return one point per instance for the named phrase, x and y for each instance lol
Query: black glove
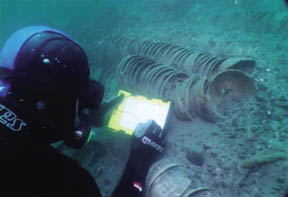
(147, 144)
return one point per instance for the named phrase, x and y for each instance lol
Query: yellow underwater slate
(137, 109)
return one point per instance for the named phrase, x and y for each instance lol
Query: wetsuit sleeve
(146, 148)
(35, 170)
(132, 183)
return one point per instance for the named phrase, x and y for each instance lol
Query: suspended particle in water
(40, 105)
(46, 61)
(57, 60)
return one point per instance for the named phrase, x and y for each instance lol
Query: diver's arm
(132, 183)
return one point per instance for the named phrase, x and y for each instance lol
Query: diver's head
(46, 72)
(45, 55)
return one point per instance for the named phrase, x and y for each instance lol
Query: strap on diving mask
(90, 99)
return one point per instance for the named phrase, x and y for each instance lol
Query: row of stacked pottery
(190, 62)
(192, 95)
(115, 48)
(144, 75)
(204, 64)
(268, 22)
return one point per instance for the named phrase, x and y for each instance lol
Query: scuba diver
(46, 96)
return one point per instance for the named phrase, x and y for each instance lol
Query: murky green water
(244, 154)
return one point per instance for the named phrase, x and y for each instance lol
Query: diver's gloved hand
(147, 145)
(100, 117)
